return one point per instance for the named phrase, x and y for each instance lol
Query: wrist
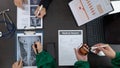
(113, 55)
(82, 59)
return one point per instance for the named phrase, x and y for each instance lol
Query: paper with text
(68, 40)
(26, 18)
(87, 10)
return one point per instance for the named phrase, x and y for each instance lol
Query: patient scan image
(32, 10)
(25, 51)
(35, 21)
(34, 2)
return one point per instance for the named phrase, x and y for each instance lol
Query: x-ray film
(25, 50)
(26, 18)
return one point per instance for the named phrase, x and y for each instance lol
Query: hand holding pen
(40, 12)
(37, 47)
(99, 49)
(107, 50)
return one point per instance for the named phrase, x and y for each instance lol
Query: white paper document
(25, 50)
(67, 41)
(26, 18)
(116, 6)
(87, 10)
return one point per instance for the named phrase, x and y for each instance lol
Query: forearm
(116, 60)
(45, 3)
(81, 64)
(45, 60)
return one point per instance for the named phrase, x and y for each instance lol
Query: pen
(94, 47)
(40, 8)
(36, 48)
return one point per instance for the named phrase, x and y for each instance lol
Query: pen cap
(83, 50)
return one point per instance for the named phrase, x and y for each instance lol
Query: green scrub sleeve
(116, 61)
(45, 60)
(81, 64)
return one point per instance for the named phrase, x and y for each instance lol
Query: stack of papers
(87, 10)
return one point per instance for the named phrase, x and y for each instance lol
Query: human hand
(107, 50)
(41, 14)
(81, 56)
(37, 47)
(18, 64)
(19, 3)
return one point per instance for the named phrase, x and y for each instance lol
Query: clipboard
(67, 41)
(26, 18)
(24, 43)
(87, 10)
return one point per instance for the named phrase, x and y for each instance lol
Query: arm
(116, 61)
(81, 64)
(109, 52)
(45, 60)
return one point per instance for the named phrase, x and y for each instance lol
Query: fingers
(21, 63)
(37, 47)
(17, 64)
(84, 49)
(85, 46)
(40, 14)
(25, 1)
(14, 65)
(18, 3)
(76, 51)
(34, 49)
(96, 48)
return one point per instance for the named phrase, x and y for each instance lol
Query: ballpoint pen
(40, 8)
(100, 53)
(94, 47)
(36, 48)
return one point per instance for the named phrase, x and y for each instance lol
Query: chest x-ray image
(35, 21)
(34, 2)
(32, 10)
(25, 51)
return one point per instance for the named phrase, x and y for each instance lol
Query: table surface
(59, 17)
